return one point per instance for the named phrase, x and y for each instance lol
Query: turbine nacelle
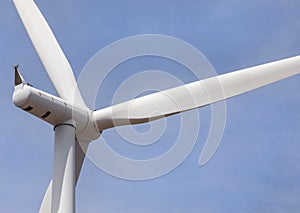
(53, 109)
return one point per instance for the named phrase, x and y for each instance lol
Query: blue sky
(257, 165)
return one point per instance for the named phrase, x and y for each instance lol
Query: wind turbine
(76, 125)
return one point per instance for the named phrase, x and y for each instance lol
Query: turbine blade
(49, 51)
(80, 150)
(47, 200)
(196, 94)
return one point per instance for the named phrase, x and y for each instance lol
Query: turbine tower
(76, 125)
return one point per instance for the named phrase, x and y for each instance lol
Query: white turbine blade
(47, 200)
(80, 150)
(196, 94)
(49, 51)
